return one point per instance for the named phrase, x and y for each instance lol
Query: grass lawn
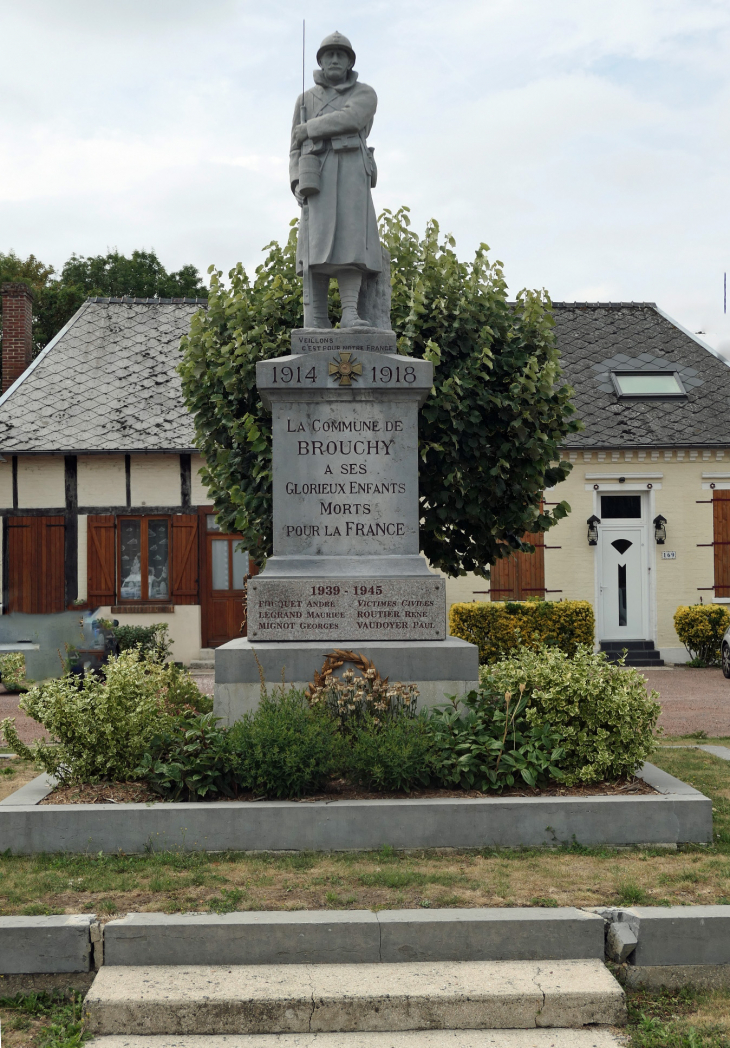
(42, 1020)
(679, 1020)
(656, 1020)
(14, 773)
(564, 876)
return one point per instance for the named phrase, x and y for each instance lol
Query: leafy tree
(141, 276)
(489, 434)
(56, 298)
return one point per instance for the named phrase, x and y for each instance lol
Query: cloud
(588, 144)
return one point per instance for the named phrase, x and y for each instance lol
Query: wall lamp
(660, 529)
(593, 523)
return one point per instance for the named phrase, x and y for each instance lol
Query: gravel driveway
(692, 700)
(27, 729)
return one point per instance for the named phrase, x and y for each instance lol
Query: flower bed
(540, 721)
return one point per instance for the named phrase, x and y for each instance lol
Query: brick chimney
(17, 343)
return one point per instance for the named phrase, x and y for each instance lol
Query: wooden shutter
(721, 537)
(20, 563)
(101, 559)
(36, 580)
(521, 575)
(51, 557)
(184, 559)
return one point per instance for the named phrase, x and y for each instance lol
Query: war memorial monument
(346, 569)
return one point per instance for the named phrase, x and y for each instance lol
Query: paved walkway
(692, 700)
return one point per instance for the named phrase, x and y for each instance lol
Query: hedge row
(499, 628)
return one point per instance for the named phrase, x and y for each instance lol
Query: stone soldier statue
(331, 172)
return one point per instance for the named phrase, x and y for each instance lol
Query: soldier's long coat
(343, 229)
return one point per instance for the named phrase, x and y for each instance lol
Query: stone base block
(438, 668)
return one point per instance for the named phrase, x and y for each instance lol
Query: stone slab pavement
(692, 700)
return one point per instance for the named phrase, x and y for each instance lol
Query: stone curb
(46, 945)
(33, 792)
(656, 945)
(723, 752)
(678, 814)
(669, 935)
(354, 937)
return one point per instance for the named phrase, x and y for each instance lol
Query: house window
(620, 507)
(144, 558)
(229, 564)
(648, 384)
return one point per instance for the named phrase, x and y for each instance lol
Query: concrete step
(204, 661)
(592, 1038)
(306, 998)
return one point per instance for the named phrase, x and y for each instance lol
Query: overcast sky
(587, 143)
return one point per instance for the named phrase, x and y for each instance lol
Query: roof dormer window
(648, 384)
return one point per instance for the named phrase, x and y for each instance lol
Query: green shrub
(700, 627)
(491, 743)
(604, 715)
(181, 694)
(284, 748)
(104, 724)
(393, 754)
(189, 759)
(499, 628)
(152, 640)
(12, 671)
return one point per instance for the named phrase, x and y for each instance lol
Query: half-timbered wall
(101, 480)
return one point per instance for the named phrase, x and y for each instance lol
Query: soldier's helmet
(335, 40)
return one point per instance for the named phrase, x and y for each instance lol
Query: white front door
(623, 583)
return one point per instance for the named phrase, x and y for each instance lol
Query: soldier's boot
(315, 314)
(350, 281)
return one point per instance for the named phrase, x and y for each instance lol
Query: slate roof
(595, 338)
(106, 382)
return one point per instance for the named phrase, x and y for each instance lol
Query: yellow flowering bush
(103, 725)
(602, 712)
(500, 628)
(700, 627)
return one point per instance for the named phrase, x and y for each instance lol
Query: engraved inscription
(345, 609)
(340, 477)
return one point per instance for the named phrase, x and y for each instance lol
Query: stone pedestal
(438, 668)
(346, 570)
